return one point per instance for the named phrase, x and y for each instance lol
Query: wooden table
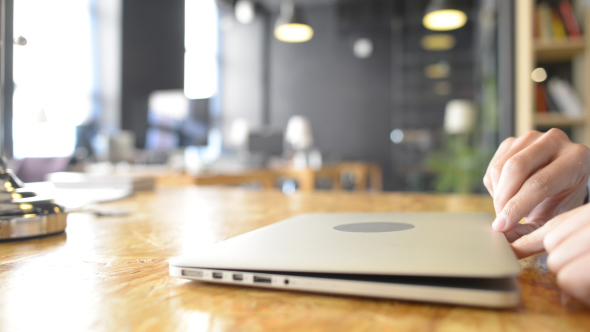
(111, 274)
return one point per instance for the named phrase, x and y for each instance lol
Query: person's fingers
(549, 208)
(504, 146)
(535, 219)
(536, 241)
(577, 219)
(547, 182)
(529, 244)
(573, 278)
(518, 145)
(533, 243)
(520, 166)
(520, 230)
(487, 182)
(574, 246)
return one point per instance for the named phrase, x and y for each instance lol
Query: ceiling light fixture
(438, 42)
(362, 48)
(245, 11)
(442, 69)
(443, 15)
(442, 88)
(289, 27)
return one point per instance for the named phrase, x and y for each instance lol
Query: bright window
(53, 76)
(200, 42)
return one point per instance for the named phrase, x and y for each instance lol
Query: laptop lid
(403, 244)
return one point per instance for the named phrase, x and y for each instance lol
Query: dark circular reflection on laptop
(374, 227)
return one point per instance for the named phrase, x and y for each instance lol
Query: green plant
(459, 166)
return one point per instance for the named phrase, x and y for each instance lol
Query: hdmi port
(262, 280)
(217, 275)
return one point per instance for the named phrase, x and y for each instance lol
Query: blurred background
(404, 95)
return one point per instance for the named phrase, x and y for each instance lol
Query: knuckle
(551, 264)
(496, 170)
(511, 209)
(539, 184)
(514, 165)
(548, 242)
(488, 185)
(531, 134)
(536, 133)
(557, 134)
(508, 141)
(581, 158)
(581, 151)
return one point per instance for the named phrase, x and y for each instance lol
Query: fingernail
(499, 223)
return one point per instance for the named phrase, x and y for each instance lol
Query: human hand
(566, 238)
(537, 176)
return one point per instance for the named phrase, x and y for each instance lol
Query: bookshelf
(531, 53)
(558, 51)
(558, 120)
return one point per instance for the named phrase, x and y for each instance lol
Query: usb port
(217, 275)
(238, 277)
(190, 273)
(262, 280)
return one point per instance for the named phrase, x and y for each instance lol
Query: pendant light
(289, 27)
(443, 15)
(437, 42)
(245, 11)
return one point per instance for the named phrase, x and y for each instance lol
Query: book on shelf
(543, 12)
(569, 19)
(557, 26)
(555, 23)
(541, 98)
(565, 97)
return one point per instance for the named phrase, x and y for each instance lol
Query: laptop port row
(235, 277)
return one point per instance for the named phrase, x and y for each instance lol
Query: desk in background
(365, 176)
(111, 274)
(362, 173)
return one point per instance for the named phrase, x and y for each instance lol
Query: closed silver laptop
(436, 257)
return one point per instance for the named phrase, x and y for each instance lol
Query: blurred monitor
(176, 121)
(266, 142)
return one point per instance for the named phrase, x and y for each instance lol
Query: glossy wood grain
(111, 274)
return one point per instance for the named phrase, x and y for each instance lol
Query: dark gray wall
(6, 29)
(242, 90)
(153, 57)
(346, 99)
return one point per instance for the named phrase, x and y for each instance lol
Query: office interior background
(215, 86)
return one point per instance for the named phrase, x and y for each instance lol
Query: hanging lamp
(444, 15)
(289, 27)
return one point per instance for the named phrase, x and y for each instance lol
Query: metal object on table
(23, 214)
